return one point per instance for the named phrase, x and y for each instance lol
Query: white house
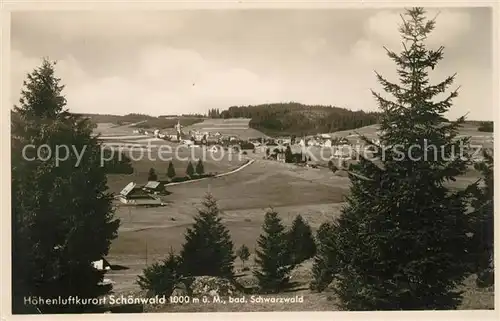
(101, 265)
(312, 142)
(327, 143)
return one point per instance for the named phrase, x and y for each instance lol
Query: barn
(133, 195)
(153, 187)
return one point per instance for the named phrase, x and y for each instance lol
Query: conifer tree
(152, 175)
(401, 241)
(62, 216)
(171, 170)
(272, 256)
(483, 238)
(190, 169)
(160, 278)
(288, 154)
(200, 170)
(325, 263)
(301, 244)
(208, 249)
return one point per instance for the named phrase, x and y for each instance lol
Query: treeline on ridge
(146, 121)
(298, 119)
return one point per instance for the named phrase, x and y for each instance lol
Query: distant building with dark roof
(133, 195)
(153, 187)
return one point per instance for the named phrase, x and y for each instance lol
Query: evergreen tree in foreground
(208, 249)
(171, 170)
(161, 277)
(62, 216)
(152, 175)
(301, 244)
(272, 256)
(325, 264)
(484, 237)
(200, 170)
(190, 169)
(402, 240)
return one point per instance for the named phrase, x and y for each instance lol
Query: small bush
(161, 278)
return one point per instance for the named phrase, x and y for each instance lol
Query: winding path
(251, 161)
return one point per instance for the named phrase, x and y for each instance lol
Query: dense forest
(298, 119)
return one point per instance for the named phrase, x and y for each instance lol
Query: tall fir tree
(301, 245)
(171, 170)
(483, 239)
(62, 215)
(208, 249)
(402, 240)
(272, 255)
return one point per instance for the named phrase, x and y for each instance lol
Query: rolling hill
(142, 121)
(234, 126)
(299, 119)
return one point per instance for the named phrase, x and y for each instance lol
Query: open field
(477, 138)
(160, 160)
(234, 126)
(112, 129)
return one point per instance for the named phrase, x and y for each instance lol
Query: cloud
(380, 31)
(98, 24)
(313, 45)
(164, 79)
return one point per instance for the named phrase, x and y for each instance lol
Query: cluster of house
(142, 195)
(191, 138)
(341, 147)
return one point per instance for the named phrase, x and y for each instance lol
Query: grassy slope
(142, 121)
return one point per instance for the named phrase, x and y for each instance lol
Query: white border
(7, 6)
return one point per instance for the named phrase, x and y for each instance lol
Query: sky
(187, 61)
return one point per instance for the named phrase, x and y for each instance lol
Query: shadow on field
(117, 267)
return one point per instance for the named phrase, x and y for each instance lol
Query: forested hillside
(298, 119)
